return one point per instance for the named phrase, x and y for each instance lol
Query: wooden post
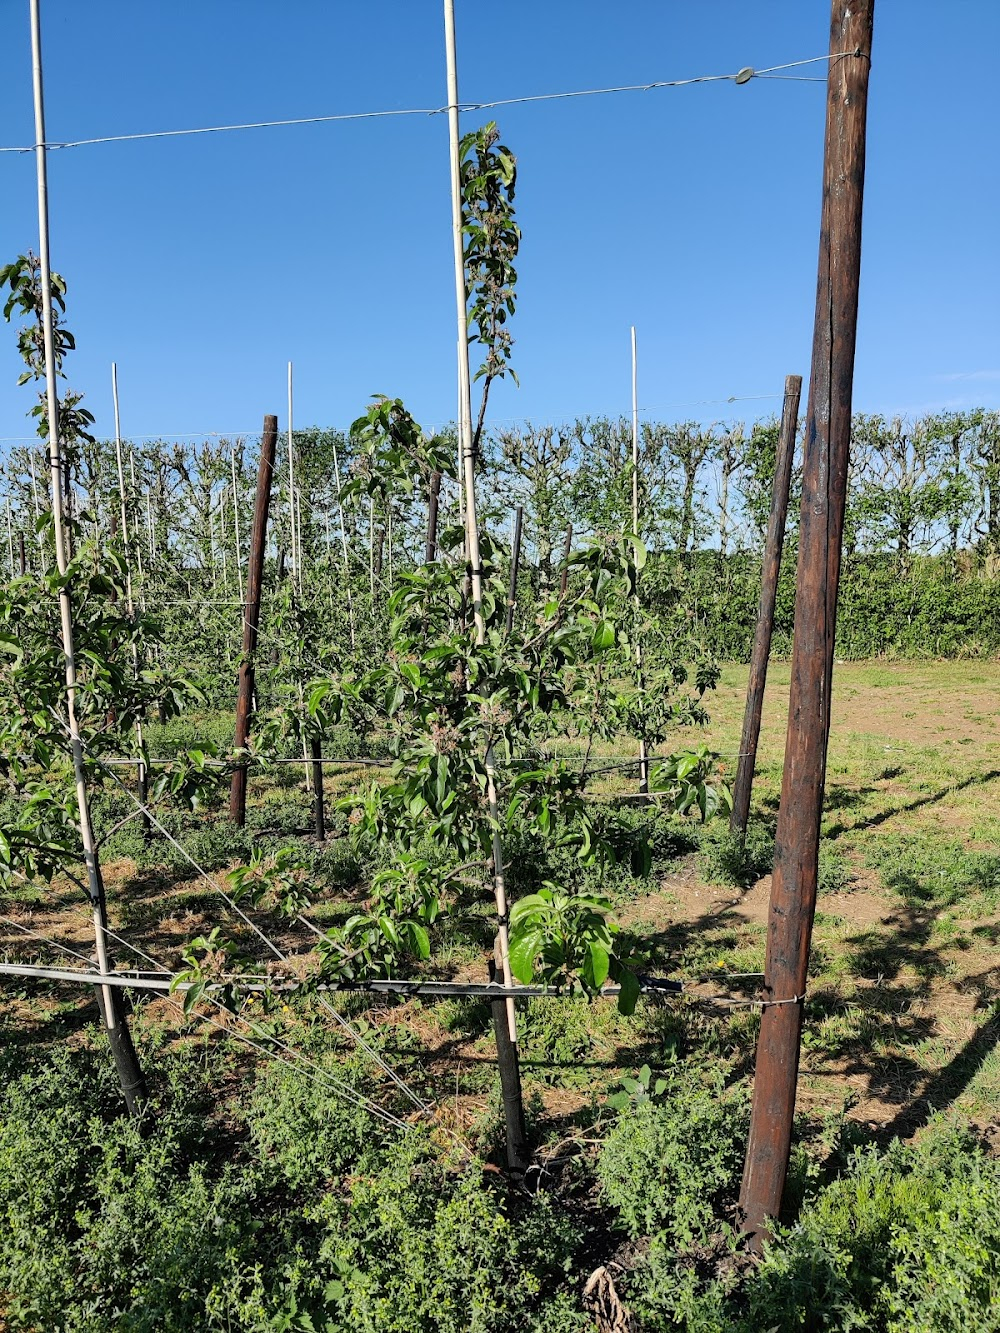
(21, 557)
(824, 483)
(761, 654)
(316, 748)
(251, 619)
(515, 567)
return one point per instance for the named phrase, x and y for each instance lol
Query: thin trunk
(251, 619)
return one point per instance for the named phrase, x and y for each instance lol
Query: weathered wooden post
(319, 814)
(251, 618)
(824, 484)
(765, 615)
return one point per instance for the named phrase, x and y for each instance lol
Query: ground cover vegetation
(315, 1160)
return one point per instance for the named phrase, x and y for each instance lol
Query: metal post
(251, 618)
(509, 1070)
(773, 544)
(296, 572)
(824, 482)
(113, 1014)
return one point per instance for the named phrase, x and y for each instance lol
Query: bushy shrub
(907, 1241)
(669, 1166)
(306, 1128)
(903, 1241)
(728, 859)
(318, 1219)
(425, 1245)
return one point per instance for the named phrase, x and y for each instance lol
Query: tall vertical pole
(296, 572)
(251, 618)
(639, 683)
(761, 654)
(141, 773)
(112, 1009)
(10, 538)
(824, 484)
(319, 814)
(517, 1150)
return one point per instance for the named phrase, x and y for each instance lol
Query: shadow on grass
(975, 780)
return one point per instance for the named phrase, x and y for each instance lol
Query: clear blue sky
(202, 265)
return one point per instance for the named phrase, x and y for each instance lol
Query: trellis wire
(744, 75)
(168, 984)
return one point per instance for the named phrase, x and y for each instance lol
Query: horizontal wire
(390, 986)
(742, 76)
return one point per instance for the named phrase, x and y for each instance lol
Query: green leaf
(630, 992)
(524, 949)
(598, 965)
(421, 940)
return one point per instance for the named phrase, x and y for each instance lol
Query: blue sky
(203, 264)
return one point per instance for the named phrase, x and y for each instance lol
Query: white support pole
(643, 757)
(95, 887)
(469, 481)
(296, 577)
(459, 417)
